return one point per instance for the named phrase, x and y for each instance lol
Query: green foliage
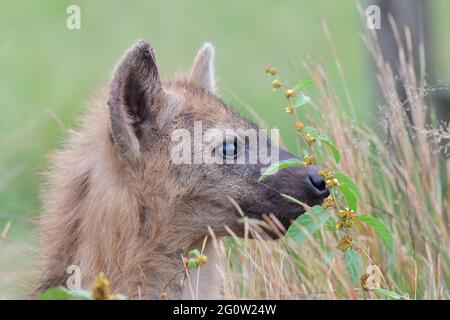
(192, 264)
(344, 179)
(61, 293)
(380, 228)
(302, 84)
(311, 130)
(354, 263)
(279, 166)
(339, 185)
(350, 198)
(195, 253)
(333, 148)
(309, 222)
(326, 140)
(301, 100)
(330, 225)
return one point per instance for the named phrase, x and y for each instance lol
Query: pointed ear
(135, 99)
(202, 72)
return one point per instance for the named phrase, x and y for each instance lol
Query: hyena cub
(117, 203)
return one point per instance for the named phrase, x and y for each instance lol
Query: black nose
(317, 183)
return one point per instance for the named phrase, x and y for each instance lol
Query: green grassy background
(46, 67)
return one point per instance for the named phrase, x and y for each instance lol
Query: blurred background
(48, 73)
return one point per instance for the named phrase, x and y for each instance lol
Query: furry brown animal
(116, 203)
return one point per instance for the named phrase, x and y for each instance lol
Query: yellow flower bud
(347, 218)
(164, 296)
(202, 260)
(309, 139)
(326, 174)
(309, 160)
(345, 243)
(329, 202)
(349, 223)
(346, 214)
(364, 283)
(331, 183)
(299, 125)
(289, 93)
(276, 84)
(271, 70)
(100, 290)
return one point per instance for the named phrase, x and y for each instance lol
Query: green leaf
(350, 198)
(326, 140)
(195, 253)
(380, 228)
(312, 131)
(57, 293)
(302, 84)
(354, 264)
(308, 223)
(330, 225)
(334, 150)
(301, 100)
(388, 293)
(192, 263)
(61, 293)
(344, 179)
(281, 165)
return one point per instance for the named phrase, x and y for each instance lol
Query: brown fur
(114, 201)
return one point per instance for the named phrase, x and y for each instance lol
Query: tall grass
(402, 174)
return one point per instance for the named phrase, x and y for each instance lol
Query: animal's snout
(317, 183)
(301, 182)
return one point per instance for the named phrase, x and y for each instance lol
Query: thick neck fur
(101, 216)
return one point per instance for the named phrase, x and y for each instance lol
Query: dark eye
(229, 149)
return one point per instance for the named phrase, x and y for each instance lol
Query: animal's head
(156, 122)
